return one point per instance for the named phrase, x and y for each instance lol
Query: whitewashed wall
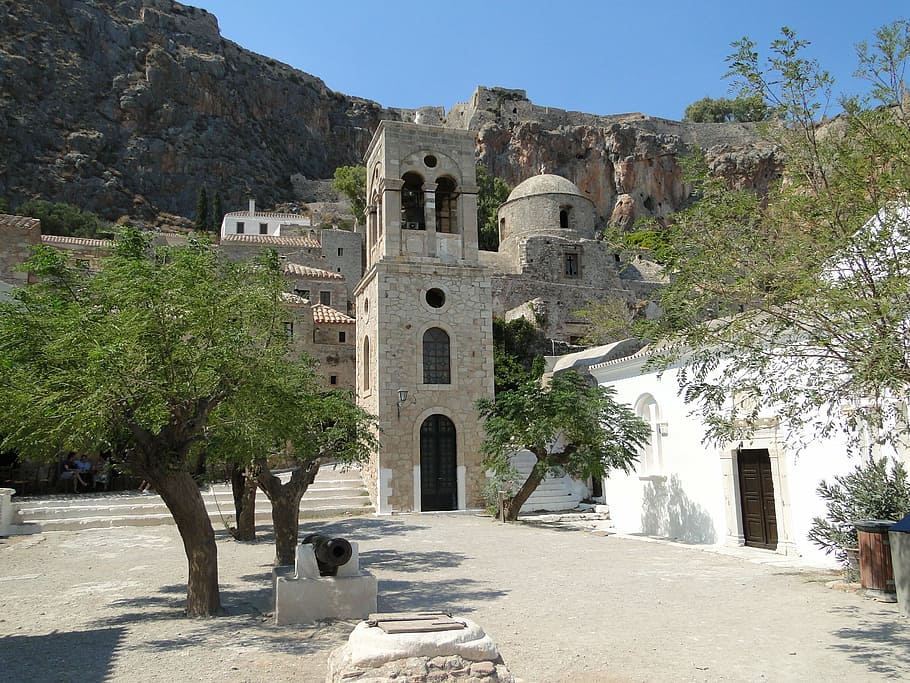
(691, 494)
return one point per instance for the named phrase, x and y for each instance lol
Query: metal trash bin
(899, 536)
(876, 574)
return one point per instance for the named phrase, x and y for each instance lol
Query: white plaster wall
(691, 501)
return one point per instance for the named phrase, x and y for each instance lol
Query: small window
(325, 298)
(263, 228)
(333, 379)
(564, 219)
(571, 269)
(239, 227)
(341, 337)
(341, 251)
(289, 329)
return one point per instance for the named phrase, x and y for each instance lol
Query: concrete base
(302, 596)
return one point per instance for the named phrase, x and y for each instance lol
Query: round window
(436, 297)
(430, 161)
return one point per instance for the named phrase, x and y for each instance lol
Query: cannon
(330, 553)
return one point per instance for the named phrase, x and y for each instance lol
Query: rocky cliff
(126, 107)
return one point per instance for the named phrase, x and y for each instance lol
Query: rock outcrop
(127, 107)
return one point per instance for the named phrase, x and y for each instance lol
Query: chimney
(252, 206)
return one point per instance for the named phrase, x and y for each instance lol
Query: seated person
(69, 469)
(102, 471)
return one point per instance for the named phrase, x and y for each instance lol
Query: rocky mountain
(126, 107)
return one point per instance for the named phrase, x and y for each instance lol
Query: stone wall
(18, 235)
(403, 318)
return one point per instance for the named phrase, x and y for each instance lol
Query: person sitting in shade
(102, 472)
(69, 469)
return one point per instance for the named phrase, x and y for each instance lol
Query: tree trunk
(513, 505)
(285, 499)
(181, 495)
(243, 486)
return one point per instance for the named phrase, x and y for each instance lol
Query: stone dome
(546, 183)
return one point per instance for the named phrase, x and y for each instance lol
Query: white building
(274, 224)
(760, 492)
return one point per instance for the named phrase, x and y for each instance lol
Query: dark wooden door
(438, 480)
(756, 490)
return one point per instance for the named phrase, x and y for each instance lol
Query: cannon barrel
(330, 553)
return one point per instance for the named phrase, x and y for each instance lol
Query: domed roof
(545, 183)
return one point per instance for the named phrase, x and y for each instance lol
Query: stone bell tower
(424, 320)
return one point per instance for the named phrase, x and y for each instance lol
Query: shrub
(871, 491)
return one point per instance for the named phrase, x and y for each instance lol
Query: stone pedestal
(302, 596)
(6, 511)
(373, 656)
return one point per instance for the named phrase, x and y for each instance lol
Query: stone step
(332, 493)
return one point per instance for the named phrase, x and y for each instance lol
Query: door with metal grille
(438, 480)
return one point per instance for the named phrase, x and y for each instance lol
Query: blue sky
(602, 57)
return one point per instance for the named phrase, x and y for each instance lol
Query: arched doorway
(438, 478)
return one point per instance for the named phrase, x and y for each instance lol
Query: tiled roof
(326, 314)
(10, 221)
(289, 298)
(311, 273)
(77, 241)
(275, 240)
(295, 217)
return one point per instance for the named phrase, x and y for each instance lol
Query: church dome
(546, 183)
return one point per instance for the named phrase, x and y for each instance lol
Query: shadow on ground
(33, 658)
(444, 596)
(879, 641)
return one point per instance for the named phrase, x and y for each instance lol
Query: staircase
(554, 493)
(334, 492)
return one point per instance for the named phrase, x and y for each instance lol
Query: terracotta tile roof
(311, 273)
(19, 222)
(326, 314)
(289, 298)
(77, 241)
(275, 240)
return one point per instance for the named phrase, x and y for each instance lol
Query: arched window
(366, 364)
(564, 219)
(412, 216)
(446, 203)
(436, 366)
(651, 457)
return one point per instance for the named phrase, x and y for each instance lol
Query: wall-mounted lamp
(402, 399)
(663, 428)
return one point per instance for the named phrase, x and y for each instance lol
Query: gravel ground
(562, 604)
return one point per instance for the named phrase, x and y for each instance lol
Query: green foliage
(58, 218)
(4, 205)
(723, 110)
(351, 181)
(884, 64)
(871, 491)
(569, 425)
(801, 295)
(491, 193)
(517, 348)
(202, 221)
(146, 345)
(610, 320)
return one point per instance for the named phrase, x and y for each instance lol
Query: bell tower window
(412, 203)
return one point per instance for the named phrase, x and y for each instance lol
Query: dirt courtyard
(563, 605)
